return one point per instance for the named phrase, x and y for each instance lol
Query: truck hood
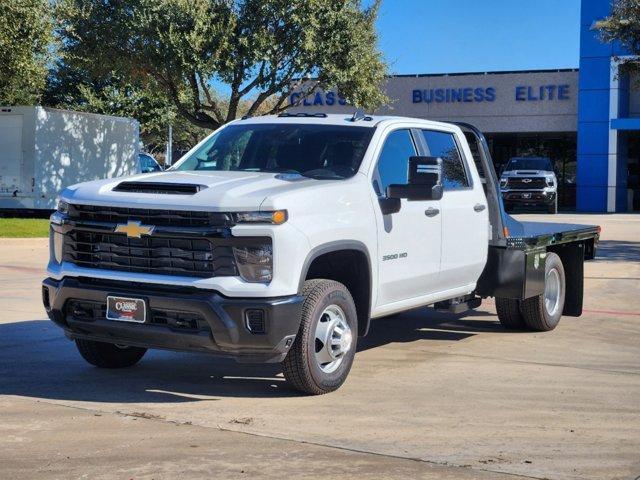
(219, 190)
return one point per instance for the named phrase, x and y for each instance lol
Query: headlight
(276, 217)
(255, 263)
(57, 238)
(550, 181)
(503, 183)
(58, 217)
(57, 241)
(63, 207)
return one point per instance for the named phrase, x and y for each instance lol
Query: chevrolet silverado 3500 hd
(278, 238)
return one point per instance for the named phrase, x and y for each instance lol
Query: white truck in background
(44, 150)
(530, 181)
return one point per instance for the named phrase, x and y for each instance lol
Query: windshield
(530, 164)
(316, 151)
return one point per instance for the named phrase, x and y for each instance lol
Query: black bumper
(529, 198)
(177, 318)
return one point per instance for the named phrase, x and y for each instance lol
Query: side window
(443, 145)
(393, 163)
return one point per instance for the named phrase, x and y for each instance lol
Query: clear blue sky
(448, 36)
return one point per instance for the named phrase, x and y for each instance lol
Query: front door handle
(478, 207)
(431, 212)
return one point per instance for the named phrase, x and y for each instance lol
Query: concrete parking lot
(431, 395)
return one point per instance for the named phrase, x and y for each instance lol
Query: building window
(443, 145)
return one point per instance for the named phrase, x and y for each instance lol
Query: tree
(623, 25)
(76, 89)
(252, 50)
(25, 39)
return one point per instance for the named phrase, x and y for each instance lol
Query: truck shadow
(618, 251)
(37, 361)
(427, 324)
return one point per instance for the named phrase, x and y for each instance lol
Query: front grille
(86, 311)
(526, 183)
(185, 256)
(162, 218)
(89, 311)
(179, 320)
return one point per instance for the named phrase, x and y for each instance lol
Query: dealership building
(586, 120)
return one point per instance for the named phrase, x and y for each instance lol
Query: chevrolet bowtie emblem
(526, 180)
(134, 229)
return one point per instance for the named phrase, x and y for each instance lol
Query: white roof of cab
(338, 119)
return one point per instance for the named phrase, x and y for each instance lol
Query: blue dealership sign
(319, 98)
(544, 92)
(448, 95)
(523, 93)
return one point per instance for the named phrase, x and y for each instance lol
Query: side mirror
(389, 205)
(425, 180)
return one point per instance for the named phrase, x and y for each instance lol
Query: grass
(24, 227)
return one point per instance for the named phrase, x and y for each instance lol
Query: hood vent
(162, 188)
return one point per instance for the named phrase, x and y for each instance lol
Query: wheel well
(351, 268)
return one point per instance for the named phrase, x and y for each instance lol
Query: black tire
(534, 310)
(108, 355)
(509, 314)
(553, 208)
(300, 366)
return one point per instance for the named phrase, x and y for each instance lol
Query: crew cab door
(409, 241)
(465, 221)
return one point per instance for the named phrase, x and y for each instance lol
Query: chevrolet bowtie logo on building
(134, 229)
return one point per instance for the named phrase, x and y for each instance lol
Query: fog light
(254, 320)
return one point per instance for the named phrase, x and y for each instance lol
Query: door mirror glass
(424, 180)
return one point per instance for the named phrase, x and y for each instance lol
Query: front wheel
(323, 351)
(553, 208)
(109, 355)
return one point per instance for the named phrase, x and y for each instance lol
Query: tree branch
(213, 105)
(204, 120)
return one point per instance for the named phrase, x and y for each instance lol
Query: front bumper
(524, 197)
(177, 318)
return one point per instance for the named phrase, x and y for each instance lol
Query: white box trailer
(43, 150)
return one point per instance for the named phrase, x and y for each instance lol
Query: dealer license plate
(124, 309)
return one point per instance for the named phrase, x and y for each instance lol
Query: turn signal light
(279, 217)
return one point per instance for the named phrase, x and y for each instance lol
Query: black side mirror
(425, 180)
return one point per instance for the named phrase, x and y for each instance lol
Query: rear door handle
(431, 212)
(478, 207)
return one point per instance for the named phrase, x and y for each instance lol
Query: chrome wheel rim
(552, 291)
(333, 339)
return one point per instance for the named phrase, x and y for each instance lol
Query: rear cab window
(455, 175)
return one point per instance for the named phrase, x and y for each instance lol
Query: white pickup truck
(278, 238)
